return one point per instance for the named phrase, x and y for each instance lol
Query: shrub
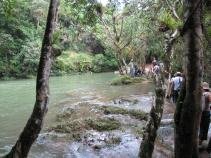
(103, 63)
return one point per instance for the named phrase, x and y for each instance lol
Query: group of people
(134, 69)
(175, 87)
(173, 91)
(155, 67)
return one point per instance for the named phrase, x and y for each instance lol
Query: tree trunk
(207, 56)
(187, 113)
(169, 42)
(150, 133)
(35, 122)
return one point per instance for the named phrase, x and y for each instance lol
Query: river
(18, 96)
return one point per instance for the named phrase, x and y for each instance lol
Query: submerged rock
(124, 80)
(138, 114)
(103, 131)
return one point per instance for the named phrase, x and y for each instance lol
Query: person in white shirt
(132, 68)
(176, 86)
(156, 69)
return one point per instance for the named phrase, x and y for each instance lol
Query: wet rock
(117, 130)
(114, 144)
(135, 102)
(138, 114)
(164, 132)
(125, 80)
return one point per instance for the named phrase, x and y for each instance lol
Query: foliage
(102, 63)
(207, 53)
(21, 30)
(126, 29)
(177, 63)
(72, 62)
(167, 19)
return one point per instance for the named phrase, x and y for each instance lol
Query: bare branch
(122, 23)
(172, 7)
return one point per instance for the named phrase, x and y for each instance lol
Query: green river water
(17, 99)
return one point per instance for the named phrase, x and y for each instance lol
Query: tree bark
(35, 122)
(187, 113)
(169, 42)
(150, 133)
(207, 55)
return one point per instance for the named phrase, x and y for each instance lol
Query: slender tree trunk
(35, 122)
(150, 133)
(188, 108)
(169, 42)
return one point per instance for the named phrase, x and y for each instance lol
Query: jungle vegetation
(84, 35)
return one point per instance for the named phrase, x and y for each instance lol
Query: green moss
(69, 126)
(103, 124)
(117, 110)
(124, 80)
(167, 19)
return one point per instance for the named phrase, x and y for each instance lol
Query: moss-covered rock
(69, 126)
(124, 80)
(121, 80)
(75, 122)
(105, 124)
(117, 110)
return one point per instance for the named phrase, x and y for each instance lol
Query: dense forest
(93, 37)
(90, 36)
(46, 38)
